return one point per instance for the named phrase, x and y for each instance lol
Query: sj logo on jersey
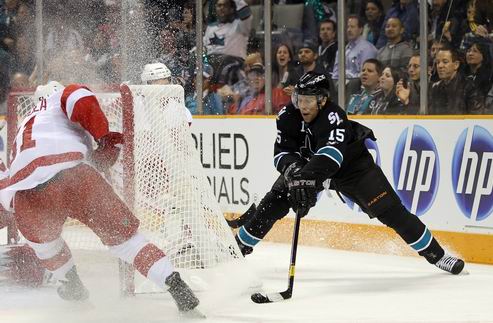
(416, 169)
(472, 174)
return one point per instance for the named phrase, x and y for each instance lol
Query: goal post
(158, 174)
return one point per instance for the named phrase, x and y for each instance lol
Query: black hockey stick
(276, 297)
(244, 218)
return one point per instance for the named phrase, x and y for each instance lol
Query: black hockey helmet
(311, 83)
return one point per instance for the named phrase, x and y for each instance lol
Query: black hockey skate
(184, 298)
(72, 289)
(451, 264)
(245, 250)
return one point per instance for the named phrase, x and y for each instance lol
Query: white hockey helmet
(47, 90)
(155, 71)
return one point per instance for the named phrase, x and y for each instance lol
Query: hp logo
(375, 153)
(416, 169)
(472, 176)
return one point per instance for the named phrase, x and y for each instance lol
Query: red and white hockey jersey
(53, 137)
(4, 182)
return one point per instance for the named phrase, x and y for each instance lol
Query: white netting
(171, 196)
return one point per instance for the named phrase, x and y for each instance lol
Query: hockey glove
(108, 150)
(302, 193)
(291, 170)
(19, 264)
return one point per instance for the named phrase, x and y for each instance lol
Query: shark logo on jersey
(216, 40)
(375, 153)
(472, 172)
(416, 169)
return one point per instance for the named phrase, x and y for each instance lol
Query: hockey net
(158, 175)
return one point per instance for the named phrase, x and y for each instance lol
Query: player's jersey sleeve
(287, 146)
(333, 134)
(81, 106)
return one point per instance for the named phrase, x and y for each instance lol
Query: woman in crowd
(408, 90)
(386, 101)
(374, 15)
(282, 66)
(478, 66)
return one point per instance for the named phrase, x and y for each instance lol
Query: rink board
(440, 166)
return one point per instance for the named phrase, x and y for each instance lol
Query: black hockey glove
(291, 170)
(302, 193)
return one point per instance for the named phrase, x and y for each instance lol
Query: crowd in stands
(382, 62)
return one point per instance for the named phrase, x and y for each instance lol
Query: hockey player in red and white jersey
(50, 179)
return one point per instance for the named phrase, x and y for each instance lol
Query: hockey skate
(184, 298)
(72, 289)
(450, 264)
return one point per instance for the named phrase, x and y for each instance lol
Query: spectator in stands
(358, 49)
(100, 54)
(226, 39)
(252, 58)
(174, 57)
(255, 103)
(479, 66)
(186, 37)
(314, 12)
(23, 23)
(434, 47)
(408, 89)
(408, 14)
(8, 10)
(282, 66)
(375, 15)
(4, 82)
(386, 100)
(396, 52)
(24, 60)
(453, 93)
(307, 58)
(327, 47)
(63, 39)
(19, 81)
(440, 27)
(212, 103)
(479, 18)
(370, 78)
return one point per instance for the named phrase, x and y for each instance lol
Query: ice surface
(330, 286)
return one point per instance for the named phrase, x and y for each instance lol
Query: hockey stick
(276, 297)
(244, 218)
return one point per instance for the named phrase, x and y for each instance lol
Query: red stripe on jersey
(147, 257)
(58, 260)
(44, 161)
(4, 183)
(86, 112)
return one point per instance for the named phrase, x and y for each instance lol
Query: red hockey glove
(108, 150)
(19, 264)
